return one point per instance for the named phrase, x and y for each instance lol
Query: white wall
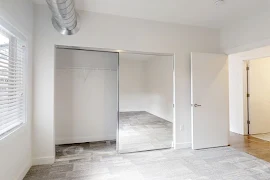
(246, 35)
(159, 75)
(16, 149)
(85, 100)
(132, 84)
(106, 31)
(237, 86)
(236, 94)
(245, 40)
(146, 84)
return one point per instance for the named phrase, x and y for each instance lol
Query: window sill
(9, 130)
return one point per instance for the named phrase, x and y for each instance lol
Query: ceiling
(192, 12)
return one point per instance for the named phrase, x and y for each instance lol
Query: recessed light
(219, 2)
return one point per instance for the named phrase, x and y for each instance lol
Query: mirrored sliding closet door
(145, 102)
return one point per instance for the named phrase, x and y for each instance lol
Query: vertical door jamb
(118, 113)
(248, 97)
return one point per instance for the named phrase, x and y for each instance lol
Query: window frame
(14, 36)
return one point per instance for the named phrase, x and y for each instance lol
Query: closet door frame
(132, 52)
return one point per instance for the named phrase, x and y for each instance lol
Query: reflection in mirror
(145, 102)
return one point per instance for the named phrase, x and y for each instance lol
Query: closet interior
(86, 100)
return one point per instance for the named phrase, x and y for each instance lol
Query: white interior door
(210, 100)
(259, 101)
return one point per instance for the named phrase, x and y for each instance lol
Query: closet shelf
(87, 68)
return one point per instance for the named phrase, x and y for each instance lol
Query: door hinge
(248, 122)
(248, 95)
(247, 68)
(173, 105)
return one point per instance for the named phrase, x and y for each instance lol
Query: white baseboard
(160, 116)
(71, 140)
(43, 160)
(131, 110)
(182, 145)
(240, 133)
(24, 171)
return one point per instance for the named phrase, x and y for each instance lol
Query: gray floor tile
(225, 163)
(140, 131)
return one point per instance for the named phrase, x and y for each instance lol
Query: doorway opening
(248, 98)
(258, 98)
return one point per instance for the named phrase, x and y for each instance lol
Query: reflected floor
(140, 131)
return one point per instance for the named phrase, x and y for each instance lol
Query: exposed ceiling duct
(64, 17)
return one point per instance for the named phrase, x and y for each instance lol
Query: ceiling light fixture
(219, 2)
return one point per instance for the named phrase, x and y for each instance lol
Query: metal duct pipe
(64, 17)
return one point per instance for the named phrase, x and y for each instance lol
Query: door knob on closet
(197, 105)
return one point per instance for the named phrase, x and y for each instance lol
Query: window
(12, 81)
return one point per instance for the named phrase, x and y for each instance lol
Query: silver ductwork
(64, 17)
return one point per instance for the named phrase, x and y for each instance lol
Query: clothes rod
(87, 68)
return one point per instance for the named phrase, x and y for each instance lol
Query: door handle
(197, 105)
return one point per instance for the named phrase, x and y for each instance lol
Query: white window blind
(12, 84)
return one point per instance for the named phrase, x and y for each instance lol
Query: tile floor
(265, 136)
(140, 131)
(99, 161)
(68, 152)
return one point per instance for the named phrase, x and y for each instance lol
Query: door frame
(121, 51)
(247, 120)
(247, 95)
(237, 62)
